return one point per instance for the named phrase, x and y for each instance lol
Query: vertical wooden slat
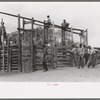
(3, 45)
(8, 55)
(63, 37)
(32, 52)
(86, 37)
(22, 69)
(53, 47)
(55, 56)
(0, 57)
(44, 33)
(80, 39)
(19, 45)
(23, 28)
(72, 34)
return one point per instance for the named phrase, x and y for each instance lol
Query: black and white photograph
(49, 42)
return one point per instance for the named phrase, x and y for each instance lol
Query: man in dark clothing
(65, 25)
(86, 55)
(44, 60)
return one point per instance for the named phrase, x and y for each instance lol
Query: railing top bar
(57, 26)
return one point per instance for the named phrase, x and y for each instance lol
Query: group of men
(65, 26)
(84, 56)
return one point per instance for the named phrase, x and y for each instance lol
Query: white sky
(80, 15)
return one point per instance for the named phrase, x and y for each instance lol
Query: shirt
(81, 51)
(49, 20)
(92, 51)
(65, 24)
(75, 50)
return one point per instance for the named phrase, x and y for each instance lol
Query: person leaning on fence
(65, 25)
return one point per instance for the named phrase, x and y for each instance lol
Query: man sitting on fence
(48, 21)
(65, 25)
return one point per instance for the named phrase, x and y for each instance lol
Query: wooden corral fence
(26, 56)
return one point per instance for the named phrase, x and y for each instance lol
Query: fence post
(32, 45)
(19, 45)
(23, 28)
(55, 56)
(72, 34)
(8, 54)
(86, 37)
(3, 45)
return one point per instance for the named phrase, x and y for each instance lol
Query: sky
(81, 15)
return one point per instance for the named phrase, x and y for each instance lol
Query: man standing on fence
(65, 25)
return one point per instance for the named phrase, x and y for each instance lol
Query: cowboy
(81, 54)
(44, 56)
(48, 19)
(65, 25)
(86, 55)
(75, 52)
(92, 57)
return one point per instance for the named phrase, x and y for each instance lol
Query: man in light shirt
(81, 58)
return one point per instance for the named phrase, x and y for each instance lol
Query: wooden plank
(27, 22)
(19, 45)
(8, 56)
(86, 37)
(32, 45)
(55, 56)
(3, 47)
(56, 26)
(21, 29)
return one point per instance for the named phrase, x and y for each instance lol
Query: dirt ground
(62, 74)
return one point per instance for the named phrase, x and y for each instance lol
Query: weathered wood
(63, 37)
(19, 45)
(29, 30)
(32, 45)
(0, 58)
(56, 26)
(72, 34)
(27, 22)
(8, 56)
(55, 56)
(3, 47)
(34, 51)
(86, 37)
